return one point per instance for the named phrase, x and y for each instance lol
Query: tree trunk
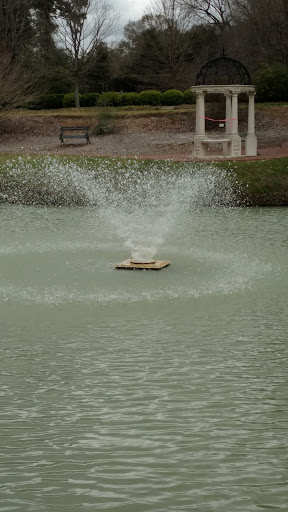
(77, 95)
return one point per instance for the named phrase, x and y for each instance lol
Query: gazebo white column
(234, 114)
(198, 149)
(228, 114)
(251, 139)
(235, 139)
(200, 114)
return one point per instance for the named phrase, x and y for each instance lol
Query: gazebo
(228, 77)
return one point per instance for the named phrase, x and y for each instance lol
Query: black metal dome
(223, 71)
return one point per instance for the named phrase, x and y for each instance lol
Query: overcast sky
(128, 10)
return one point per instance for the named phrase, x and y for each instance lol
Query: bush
(105, 125)
(272, 84)
(109, 99)
(172, 97)
(47, 101)
(130, 98)
(52, 101)
(69, 100)
(150, 98)
(189, 97)
(89, 99)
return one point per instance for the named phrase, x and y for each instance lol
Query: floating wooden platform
(133, 265)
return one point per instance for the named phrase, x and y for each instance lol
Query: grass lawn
(117, 112)
(130, 111)
(262, 182)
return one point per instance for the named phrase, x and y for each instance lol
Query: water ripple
(145, 392)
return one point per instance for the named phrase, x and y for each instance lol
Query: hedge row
(116, 99)
(272, 83)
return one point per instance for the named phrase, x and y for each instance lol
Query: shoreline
(262, 179)
(259, 182)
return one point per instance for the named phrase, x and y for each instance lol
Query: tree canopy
(60, 46)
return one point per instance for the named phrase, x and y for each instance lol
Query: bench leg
(198, 149)
(227, 148)
(236, 146)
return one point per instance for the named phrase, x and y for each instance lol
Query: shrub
(105, 123)
(172, 97)
(189, 97)
(52, 101)
(89, 99)
(47, 101)
(109, 99)
(150, 98)
(69, 100)
(130, 98)
(272, 84)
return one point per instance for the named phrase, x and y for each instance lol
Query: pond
(145, 391)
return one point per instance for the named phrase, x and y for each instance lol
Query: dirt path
(141, 138)
(175, 146)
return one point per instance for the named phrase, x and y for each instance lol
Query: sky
(128, 10)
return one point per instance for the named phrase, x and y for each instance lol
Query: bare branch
(217, 12)
(171, 37)
(17, 86)
(267, 21)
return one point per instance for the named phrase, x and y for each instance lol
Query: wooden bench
(83, 133)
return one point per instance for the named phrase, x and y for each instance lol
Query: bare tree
(175, 37)
(169, 39)
(17, 85)
(82, 26)
(267, 21)
(15, 26)
(224, 15)
(217, 12)
(17, 79)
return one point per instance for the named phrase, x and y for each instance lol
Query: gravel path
(156, 145)
(115, 145)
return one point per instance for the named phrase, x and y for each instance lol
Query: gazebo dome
(223, 71)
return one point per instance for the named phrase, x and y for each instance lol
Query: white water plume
(141, 202)
(114, 182)
(143, 205)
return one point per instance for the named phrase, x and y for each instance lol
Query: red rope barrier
(218, 120)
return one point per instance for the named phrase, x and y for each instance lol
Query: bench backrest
(70, 128)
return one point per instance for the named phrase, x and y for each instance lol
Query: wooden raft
(133, 265)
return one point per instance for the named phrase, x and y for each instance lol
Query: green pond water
(132, 391)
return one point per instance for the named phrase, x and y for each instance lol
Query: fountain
(142, 259)
(122, 210)
(139, 203)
